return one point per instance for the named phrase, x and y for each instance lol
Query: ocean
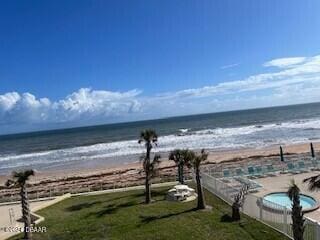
(116, 144)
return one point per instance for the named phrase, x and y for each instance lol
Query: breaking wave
(252, 136)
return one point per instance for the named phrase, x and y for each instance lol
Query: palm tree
(195, 162)
(296, 212)
(149, 137)
(19, 179)
(179, 156)
(239, 199)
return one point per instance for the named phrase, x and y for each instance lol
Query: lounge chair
(226, 173)
(252, 184)
(251, 173)
(259, 171)
(302, 167)
(315, 164)
(250, 170)
(270, 171)
(226, 176)
(239, 172)
(291, 168)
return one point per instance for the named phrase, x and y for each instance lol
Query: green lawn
(124, 216)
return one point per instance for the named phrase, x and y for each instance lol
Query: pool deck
(281, 183)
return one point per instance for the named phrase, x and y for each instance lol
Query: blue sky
(72, 63)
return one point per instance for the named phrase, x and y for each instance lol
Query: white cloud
(83, 105)
(89, 104)
(306, 72)
(8, 100)
(285, 62)
(297, 80)
(230, 66)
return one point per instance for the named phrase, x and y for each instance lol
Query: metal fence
(269, 213)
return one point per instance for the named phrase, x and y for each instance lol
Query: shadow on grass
(81, 206)
(148, 219)
(112, 208)
(153, 194)
(124, 196)
(226, 218)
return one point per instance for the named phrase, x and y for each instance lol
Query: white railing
(269, 213)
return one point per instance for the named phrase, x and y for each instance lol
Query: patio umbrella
(281, 154)
(312, 150)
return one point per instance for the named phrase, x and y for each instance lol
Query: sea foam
(251, 136)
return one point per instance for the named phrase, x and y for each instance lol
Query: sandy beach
(105, 177)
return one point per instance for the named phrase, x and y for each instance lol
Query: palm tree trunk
(147, 180)
(147, 188)
(180, 173)
(201, 204)
(235, 212)
(297, 219)
(25, 212)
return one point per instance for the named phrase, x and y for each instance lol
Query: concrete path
(9, 226)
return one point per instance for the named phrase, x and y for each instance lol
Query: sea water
(116, 144)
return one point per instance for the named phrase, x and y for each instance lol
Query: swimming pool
(281, 198)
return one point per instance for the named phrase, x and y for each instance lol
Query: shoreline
(224, 156)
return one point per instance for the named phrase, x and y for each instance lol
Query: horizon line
(143, 120)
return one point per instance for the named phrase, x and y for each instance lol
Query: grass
(124, 216)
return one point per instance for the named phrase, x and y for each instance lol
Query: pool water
(283, 200)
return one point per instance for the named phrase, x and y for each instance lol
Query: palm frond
(189, 157)
(313, 182)
(196, 159)
(19, 178)
(293, 190)
(29, 172)
(148, 135)
(10, 183)
(204, 155)
(22, 176)
(176, 155)
(154, 164)
(156, 158)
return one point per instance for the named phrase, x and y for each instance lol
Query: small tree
(195, 162)
(238, 202)
(296, 212)
(19, 179)
(149, 137)
(180, 157)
